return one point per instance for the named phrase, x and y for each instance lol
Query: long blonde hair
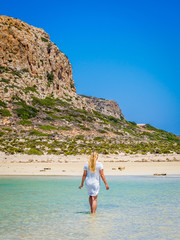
(92, 161)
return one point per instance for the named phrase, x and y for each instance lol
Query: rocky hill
(30, 64)
(40, 111)
(28, 58)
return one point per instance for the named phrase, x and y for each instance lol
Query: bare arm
(103, 178)
(83, 178)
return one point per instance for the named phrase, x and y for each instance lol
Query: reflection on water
(54, 208)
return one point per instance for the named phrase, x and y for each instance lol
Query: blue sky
(128, 51)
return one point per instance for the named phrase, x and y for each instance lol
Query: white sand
(73, 165)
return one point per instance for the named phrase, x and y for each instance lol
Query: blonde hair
(92, 161)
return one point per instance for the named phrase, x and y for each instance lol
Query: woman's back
(93, 175)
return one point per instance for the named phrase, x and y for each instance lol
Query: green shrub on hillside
(4, 69)
(48, 118)
(99, 139)
(126, 129)
(79, 137)
(19, 150)
(132, 123)
(68, 99)
(72, 85)
(7, 129)
(34, 151)
(66, 128)
(5, 90)
(78, 110)
(46, 102)
(3, 104)
(1, 133)
(101, 131)
(113, 119)
(37, 133)
(99, 115)
(49, 102)
(47, 127)
(32, 89)
(62, 103)
(83, 117)
(5, 80)
(50, 78)
(44, 39)
(149, 127)
(26, 112)
(5, 113)
(53, 116)
(25, 122)
(68, 118)
(172, 137)
(16, 73)
(57, 110)
(118, 133)
(18, 101)
(84, 128)
(25, 70)
(54, 151)
(48, 112)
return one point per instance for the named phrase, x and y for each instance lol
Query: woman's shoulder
(86, 166)
(99, 164)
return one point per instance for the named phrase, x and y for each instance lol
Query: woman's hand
(83, 178)
(80, 186)
(103, 178)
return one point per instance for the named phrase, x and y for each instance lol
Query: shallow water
(54, 208)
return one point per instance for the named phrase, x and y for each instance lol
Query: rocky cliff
(104, 106)
(31, 65)
(28, 58)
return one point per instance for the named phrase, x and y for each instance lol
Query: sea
(135, 207)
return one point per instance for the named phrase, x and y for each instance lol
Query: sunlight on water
(54, 208)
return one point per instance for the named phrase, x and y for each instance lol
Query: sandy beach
(114, 165)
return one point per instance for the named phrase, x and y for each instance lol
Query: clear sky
(125, 50)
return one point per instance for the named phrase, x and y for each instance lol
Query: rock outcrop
(31, 65)
(104, 106)
(30, 58)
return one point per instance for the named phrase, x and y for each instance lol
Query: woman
(92, 172)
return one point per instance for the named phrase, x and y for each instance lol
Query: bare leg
(90, 202)
(94, 204)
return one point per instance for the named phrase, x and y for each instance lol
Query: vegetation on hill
(55, 126)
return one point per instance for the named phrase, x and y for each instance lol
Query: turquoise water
(54, 208)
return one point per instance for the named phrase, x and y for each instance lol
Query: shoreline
(79, 177)
(114, 165)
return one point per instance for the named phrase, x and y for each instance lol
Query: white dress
(92, 181)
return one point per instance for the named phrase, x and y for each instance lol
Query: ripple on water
(54, 208)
